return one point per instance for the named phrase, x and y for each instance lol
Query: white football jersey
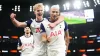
(39, 46)
(27, 43)
(56, 35)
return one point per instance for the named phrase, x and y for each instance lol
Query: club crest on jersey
(56, 33)
(38, 30)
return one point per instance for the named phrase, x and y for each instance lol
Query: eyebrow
(54, 11)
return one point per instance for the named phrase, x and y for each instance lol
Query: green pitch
(73, 20)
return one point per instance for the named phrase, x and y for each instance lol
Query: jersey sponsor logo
(37, 30)
(28, 44)
(56, 33)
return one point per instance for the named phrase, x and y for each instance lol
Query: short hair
(27, 26)
(37, 6)
(55, 6)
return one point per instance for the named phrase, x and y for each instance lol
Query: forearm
(19, 48)
(60, 19)
(17, 23)
(44, 37)
(67, 40)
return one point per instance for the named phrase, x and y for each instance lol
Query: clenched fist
(12, 16)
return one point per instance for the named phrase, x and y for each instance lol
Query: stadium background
(84, 37)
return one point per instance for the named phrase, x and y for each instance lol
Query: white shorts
(56, 52)
(37, 52)
(26, 54)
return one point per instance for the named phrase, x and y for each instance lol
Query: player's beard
(55, 18)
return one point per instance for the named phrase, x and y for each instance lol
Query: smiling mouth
(39, 14)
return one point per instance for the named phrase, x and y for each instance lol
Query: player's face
(27, 30)
(39, 12)
(54, 13)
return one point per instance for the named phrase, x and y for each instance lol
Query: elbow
(18, 25)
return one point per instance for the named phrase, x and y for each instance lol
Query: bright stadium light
(46, 8)
(30, 8)
(74, 50)
(75, 37)
(77, 4)
(95, 2)
(5, 36)
(92, 35)
(66, 6)
(4, 51)
(0, 7)
(87, 3)
(84, 4)
(58, 6)
(89, 50)
(19, 8)
(15, 8)
(98, 1)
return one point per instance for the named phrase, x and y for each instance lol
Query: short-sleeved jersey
(27, 43)
(56, 34)
(35, 27)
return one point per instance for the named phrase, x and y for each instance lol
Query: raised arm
(60, 19)
(16, 22)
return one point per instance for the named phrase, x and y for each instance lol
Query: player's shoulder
(21, 37)
(32, 19)
(65, 23)
(32, 35)
(45, 20)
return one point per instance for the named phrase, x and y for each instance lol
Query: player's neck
(39, 18)
(52, 19)
(27, 35)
